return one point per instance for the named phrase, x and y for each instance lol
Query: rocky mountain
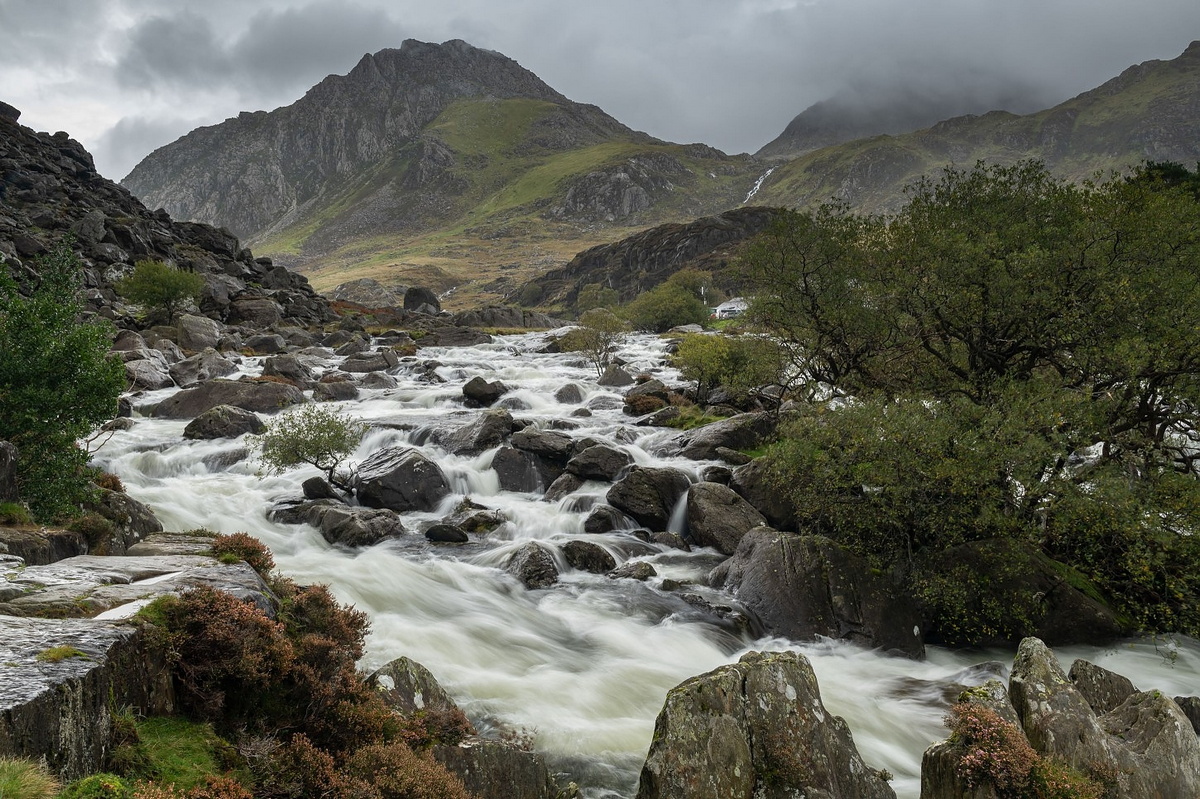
(645, 259)
(434, 164)
(1150, 111)
(49, 189)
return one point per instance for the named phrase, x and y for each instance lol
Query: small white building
(731, 308)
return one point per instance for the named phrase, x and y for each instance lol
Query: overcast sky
(127, 76)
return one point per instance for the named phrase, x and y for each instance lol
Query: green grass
(21, 778)
(57, 654)
(182, 752)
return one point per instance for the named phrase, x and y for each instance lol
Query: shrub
(245, 547)
(98, 786)
(666, 306)
(599, 332)
(59, 383)
(95, 529)
(397, 772)
(155, 284)
(109, 482)
(315, 435)
(21, 778)
(14, 513)
(595, 295)
(219, 788)
(447, 727)
(739, 364)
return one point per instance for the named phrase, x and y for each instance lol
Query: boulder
(614, 377)
(132, 520)
(202, 366)
(368, 362)
(634, 570)
(37, 547)
(604, 519)
(334, 391)
(1190, 705)
(755, 728)
(400, 479)
(599, 462)
(533, 565)
(265, 343)
(482, 393)
(804, 586)
(489, 430)
(418, 299)
(649, 494)
(408, 687)
(569, 394)
(744, 431)
(717, 517)
(196, 333)
(258, 313)
(378, 380)
(261, 397)
(1146, 742)
(290, 368)
(354, 527)
(516, 470)
(563, 485)
(447, 534)
(548, 444)
(754, 484)
(224, 421)
(1102, 689)
(492, 769)
(588, 557)
(146, 374)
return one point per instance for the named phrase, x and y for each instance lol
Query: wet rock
(1146, 742)
(673, 540)
(41, 546)
(200, 367)
(614, 377)
(147, 374)
(400, 479)
(408, 688)
(375, 362)
(744, 431)
(1102, 689)
(649, 494)
(1190, 705)
(659, 418)
(755, 728)
(261, 397)
(319, 488)
(63, 711)
(290, 368)
(489, 430)
(447, 534)
(569, 394)
(492, 769)
(599, 462)
(564, 485)
(334, 391)
(483, 393)
(224, 421)
(717, 474)
(353, 526)
(418, 299)
(604, 519)
(804, 586)
(717, 517)
(517, 470)
(132, 521)
(634, 570)
(265, 344)
(753, 482)
(533, 565)
(378, 380)
(588, 557)
(481, 521)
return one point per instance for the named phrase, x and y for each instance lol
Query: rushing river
(583, 666)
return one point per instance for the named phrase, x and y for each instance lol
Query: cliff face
(49, 189)
(1151, 111)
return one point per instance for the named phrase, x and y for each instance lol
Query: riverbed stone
(261, 397)
(753, 482)
(804, 586)
(588, 557)
(615, 377)
(447, 534)
(569, 394)
(516, 470)
(196, 333)
(717, 517)
(744, 431)
(599, 462)
(408, 687)
(649, 494)
(400, 479)
(290, 368)
(487, 431)
(755, 728)
(604, 519)
(334, 391)
(147, 374)
(1104, 690)
(563, 485)
(131, 521)
(41, 545)
(482, 392)
(204, 365)
(533, 565)
(224, 421)
(354, 526)
(634, 570)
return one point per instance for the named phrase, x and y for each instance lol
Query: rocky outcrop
(400, 479)
(224, 421)
(63, 709)
(803, 586)
(642, 261)
(41, 546)
(744, 431)
(754, 483)
(495, 316)
(755, 728)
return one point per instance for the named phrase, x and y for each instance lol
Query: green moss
(57, 654)
(181, 752)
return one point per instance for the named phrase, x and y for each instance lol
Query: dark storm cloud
(175, 52)
(133, 138)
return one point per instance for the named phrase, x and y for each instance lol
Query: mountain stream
(583, 666)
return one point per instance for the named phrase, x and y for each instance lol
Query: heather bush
(245, 547)
(397, 772)
(447, 727)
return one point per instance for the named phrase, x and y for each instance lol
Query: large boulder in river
(204, 365)
(400, 479)
(196, 333)
(804, 586)
(517, 470)
(224, 421)
(1146, 743)
(488, 431)
(755, 728)
(481, 392)
(533, 565)
(588, 557)
(754, 483)
(599, 462)
(717, 517)
(744, 431)
(258, 396)
(649, 494)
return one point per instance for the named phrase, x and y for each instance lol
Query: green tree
(740, 364)
(595, 295)
(316, 435)
(599, 332)
(57, 383)
(155, 284)
(666, 306)
(1009, 356)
